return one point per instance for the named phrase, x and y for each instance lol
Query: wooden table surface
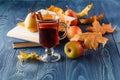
(102, 64)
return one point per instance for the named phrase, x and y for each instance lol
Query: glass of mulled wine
(49, 38)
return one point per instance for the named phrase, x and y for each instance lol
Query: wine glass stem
(49, 51)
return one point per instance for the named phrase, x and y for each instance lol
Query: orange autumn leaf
(48, 16)
(90, 40)
(55, 9)
(20, 24)
(108, 28)
(104, 28)
(91, 19)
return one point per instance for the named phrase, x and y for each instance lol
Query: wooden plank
(95, 65)
(89, 66)
(112, 15)
(10, 68)
(3, 47)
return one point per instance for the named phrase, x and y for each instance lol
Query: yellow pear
(30, 22)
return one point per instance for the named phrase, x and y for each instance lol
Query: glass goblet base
(50, 56)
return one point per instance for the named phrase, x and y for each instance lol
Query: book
(22, 33)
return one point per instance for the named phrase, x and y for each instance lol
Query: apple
(73, 49)
(73, 30)
(71, 13)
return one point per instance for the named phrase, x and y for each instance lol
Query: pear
(30, 22)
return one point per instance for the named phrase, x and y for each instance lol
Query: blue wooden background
(102, 64)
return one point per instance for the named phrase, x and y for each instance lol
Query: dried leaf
(48, 16)
(108, 28)
(55, 9)
(90, 40)
(24, 56)
(104, 28)
(21, 24)
(91, 19)
(85, 10)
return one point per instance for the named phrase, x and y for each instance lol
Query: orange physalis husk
(91, 19)
(90, 40)
(104, 28)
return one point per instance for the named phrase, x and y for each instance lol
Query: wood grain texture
(102, 64)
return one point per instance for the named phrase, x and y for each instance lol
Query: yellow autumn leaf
(85, 10)
(24, 56)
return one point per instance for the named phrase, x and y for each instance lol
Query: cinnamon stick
(39, 16)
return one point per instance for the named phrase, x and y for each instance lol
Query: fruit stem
(67, 7)
(30, 10)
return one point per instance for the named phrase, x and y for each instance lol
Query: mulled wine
(49, 38)
(48, 33)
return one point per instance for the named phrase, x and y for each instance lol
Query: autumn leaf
(108, 28)
(55, 9)
(21, 24)
(48, 16)
(24, 56)
(104, 28)
(85, 11)
(90, 40)
(91, 19)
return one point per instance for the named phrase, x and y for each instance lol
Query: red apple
(73, 49)
(71, 13)
(73, 30)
